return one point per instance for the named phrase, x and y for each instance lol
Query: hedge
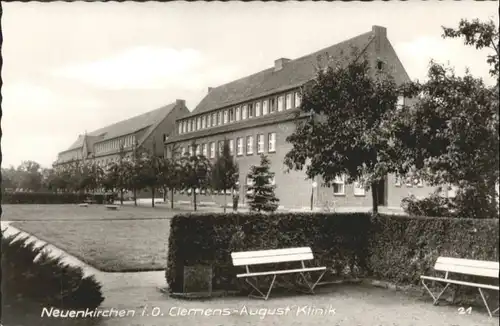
(397, 249)
(31, 277)
(49, 198)
(338, 241)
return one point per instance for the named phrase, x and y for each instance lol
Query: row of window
(243, 145)
(339, 187)
(70, 155)
(240, 113)
(114, 144)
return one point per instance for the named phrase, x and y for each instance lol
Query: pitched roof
(293, 74)
(146, 120)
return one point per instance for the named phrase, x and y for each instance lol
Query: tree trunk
(135, 197)
(225, 200)
(374, 189)
(121, 196)
(172, 199)
(194, 199)
(153, 196)
(164, 194)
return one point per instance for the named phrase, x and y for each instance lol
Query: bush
(402, 248)
(31, 277)
(339, 241)
(41, 198)
(434, 205)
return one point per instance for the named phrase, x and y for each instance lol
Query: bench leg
(311, 287)
(436, 298)
(255, 288)
(491, 313)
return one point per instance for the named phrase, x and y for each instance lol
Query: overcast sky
(72, 67)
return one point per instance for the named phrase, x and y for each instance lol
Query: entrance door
(382, 192)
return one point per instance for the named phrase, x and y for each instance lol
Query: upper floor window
(272, 105)
(280, 103)
(198, 123)
(238, 113)
(264, 107)
(219, 118)
(226, 116)
(250, 110)
(214, 119)
(244, 112)
(288, 103)
(203, 122)
(180, 130)
(231, 114)
(297, 99)
(257, 109)
(271, 142)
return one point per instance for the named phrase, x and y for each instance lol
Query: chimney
(280, 63)
(210, 88)
(380, 34)
(180, 102)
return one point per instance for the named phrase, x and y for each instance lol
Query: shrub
(41, 198)
(434, 205)
(31, 276)
(339, 241)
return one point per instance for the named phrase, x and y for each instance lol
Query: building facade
(149, 131)
(256, 114)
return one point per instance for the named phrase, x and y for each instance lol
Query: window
(297, 99)
(219, 118)
(203, 122)
(183, 151)
(226, 116)
(339, 186)
(188, 126)
(272, 105)
(264, 107)
(198, 149)
(214, 119)
(397, 180)
(239, 144)
(221, 147)
(198, 123)
(401, 102)
(231, 146)
(204, 150)
(249, 183)
(250, 111)
(260, 144)
(191, 150)
(231, 115)
(359, 189)
(244, 112)
(271, 142)
(288, 103)
(184, 128)
(249, 145)
(238, 113)
(257, 109)
(212, 149)
(280, 103)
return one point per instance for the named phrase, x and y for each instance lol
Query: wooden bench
(465, 267)
(83, 205)
(112, 207)
(252, 258)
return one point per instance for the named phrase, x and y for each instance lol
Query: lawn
(108, 245)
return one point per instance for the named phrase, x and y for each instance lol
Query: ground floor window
(339, 186)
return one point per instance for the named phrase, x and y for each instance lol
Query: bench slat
(469, 262)
(287, 271)
(469, 270)
(273, 252)
(485, 286)
(272, 259)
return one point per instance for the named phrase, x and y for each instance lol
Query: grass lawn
(108, 245)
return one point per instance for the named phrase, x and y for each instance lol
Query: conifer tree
(261, 195)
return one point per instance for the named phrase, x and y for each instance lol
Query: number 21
(463, 311)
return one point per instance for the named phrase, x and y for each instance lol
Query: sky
(76, 67)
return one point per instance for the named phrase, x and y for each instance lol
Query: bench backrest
(271, 256)
(468, 266)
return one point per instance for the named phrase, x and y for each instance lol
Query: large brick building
(256, 113)
(103, 145)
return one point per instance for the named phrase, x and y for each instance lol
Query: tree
(347, 127)
(134, 171)
(30, 175)
(480, 35)
(10, 178)
(194, 174)
(150, 172)
(224, 172)
(116, 173)
(260, 196)
(450, 136)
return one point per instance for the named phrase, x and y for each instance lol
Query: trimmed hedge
(339, 241)
(31, 278)
(397, 249)
(51, 198)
